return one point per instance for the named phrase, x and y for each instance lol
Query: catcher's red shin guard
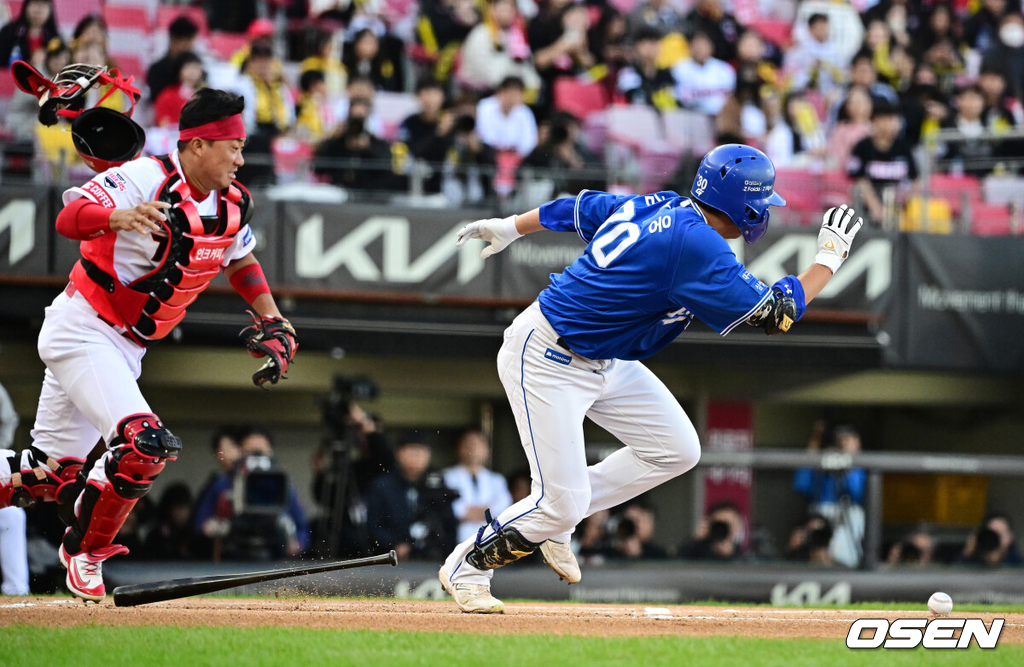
(130, 469)
(34, 476)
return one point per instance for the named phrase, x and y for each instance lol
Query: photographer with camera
(254, 512)
(410, 509)
(632, 531)
(337, 157)
(992, 544)
(810, 542)
(719, 536)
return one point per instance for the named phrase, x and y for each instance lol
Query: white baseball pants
(551, 390)
(90, 381)
(13, 552)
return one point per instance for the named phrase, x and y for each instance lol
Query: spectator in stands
(914, 549)
(643, 81)
(719, 535)
(274, 109)
(633, 533)
(426, 132)
(992, 544)
(163, 73)
(1001, 110)
(169, 537)
(815, 63)
(172, 99)
(939, 45)
(878, 43)
(469, 164)
(232, 15)
(654, 16)
(28, 36)
(442, 29)
(974, 156)
(703, 82)
(314, 117)
(405, 511)
(559, 40)
(91, 29)
(1008, 53)
(982, 29)
(923, 105)
(853, 124)
(519, 483)
(364, 58)
(864, 74)
(562, 153)
(360, 88)
(742, 115)
(478, 488)
(504, 122)
(901, 16)
(324, 61)
(607, 39)
(497, 48)
(355, 157)
(881, 161)
(709, 17)
(810, 541)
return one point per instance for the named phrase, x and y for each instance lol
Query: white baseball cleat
(472, 598)
(562, 560)
(85, 571)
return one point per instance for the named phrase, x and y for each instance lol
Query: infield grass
(104, 646)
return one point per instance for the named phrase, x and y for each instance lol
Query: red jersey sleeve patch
(101, 196)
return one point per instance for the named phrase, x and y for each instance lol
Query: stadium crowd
(472, 98)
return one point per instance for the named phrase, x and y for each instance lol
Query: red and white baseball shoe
(562, 560)
(85, 571)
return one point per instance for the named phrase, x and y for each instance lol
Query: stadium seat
(777, 32)
(1002, 189)
(136, 18)
(991, 220)
(224, 44)
(69, 12)
(639, 129)
(802, 190)
(291, 156)
(392, 109)
(687, 130)
(578, 97)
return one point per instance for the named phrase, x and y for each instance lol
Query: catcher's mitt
(274, 338)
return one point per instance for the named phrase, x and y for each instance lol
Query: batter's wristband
(250, 282)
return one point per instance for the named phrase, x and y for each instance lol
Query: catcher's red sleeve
(82, 220)
(250, 282)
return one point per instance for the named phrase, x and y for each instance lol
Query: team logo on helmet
(700, 185)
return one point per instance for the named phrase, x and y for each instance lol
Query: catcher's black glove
(274, 338)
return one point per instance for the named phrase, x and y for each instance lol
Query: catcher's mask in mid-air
(103, 137)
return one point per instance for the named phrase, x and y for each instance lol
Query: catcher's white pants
(13, 552)
(90, 381)
(550, 399)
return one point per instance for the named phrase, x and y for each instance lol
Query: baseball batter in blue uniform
(652, 264)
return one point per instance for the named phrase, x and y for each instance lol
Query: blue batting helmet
(739, 181)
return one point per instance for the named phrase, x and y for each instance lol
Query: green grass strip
(104, 646)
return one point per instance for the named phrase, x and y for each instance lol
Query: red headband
(231, 127)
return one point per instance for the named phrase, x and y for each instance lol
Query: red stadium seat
(779, 33)
(687, 130)
(801, 188)
(290, 157)
(579, 98)
(225, 44)
(989, 220)
(127, 17)
(505, 178)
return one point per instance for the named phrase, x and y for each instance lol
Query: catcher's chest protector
(188, 258)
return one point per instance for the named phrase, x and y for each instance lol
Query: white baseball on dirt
(940, 604)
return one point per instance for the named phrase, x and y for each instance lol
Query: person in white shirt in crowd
(479, 489)
(504, 122)
(816, 62)
(13, 546)
(703, 83)
(497, 48)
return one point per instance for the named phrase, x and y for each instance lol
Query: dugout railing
(875, 464)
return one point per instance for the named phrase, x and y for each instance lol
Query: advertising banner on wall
(25, 231)
(960, 303)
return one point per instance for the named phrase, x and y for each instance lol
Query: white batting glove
(497, 232)
(838, 227)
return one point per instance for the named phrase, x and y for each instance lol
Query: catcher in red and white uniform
(154, 232)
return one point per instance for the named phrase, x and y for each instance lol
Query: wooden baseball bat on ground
(136, 594)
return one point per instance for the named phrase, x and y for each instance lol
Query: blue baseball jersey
(652, 264)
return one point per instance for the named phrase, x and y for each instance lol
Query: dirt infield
(588, 620)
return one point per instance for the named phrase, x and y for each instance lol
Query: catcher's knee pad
(34, 476)
(503, 547)
(129, 468)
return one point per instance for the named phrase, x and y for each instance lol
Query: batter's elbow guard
(776, 315)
